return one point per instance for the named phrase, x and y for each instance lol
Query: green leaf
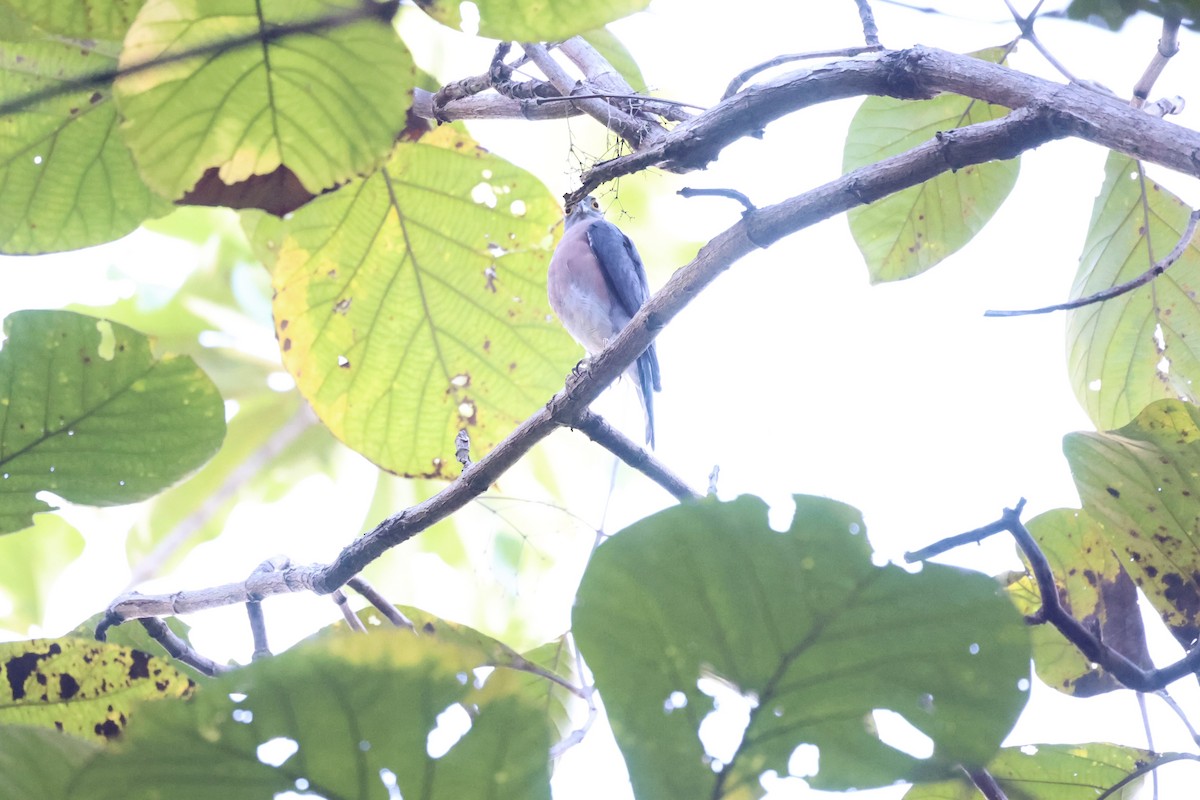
(35, 762)
(413, 304)
(105, 19)
(908, 232)
(85, 688)
(1094, 589)
(1141, 483)
(87, 413)
(811, 634)
(1143, 345)
(30, 561)
(609, 46)
(348, 707)
(66, 180)
(1049, 772)
(532, 20)
(310, 110)
(1113, 13)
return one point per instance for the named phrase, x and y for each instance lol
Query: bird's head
(586, 209)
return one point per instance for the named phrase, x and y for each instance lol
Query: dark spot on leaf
(1112, 491)
(68, 687)
(287, 345)
(487, 345)
(283, 323)
(342, 306)
(108, 729)
(414, 126)
(1091, 577)
(95, 98)
(140, 667)
(1151, 571)
(429, 628)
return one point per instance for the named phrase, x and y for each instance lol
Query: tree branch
(985, 141)
(1157, 269)
(1053, 612)
(624, 448)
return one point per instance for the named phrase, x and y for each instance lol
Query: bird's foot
(582, 366)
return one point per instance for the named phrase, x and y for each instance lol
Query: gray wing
(626, 279)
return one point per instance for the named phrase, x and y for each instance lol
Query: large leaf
(908, 232)
(413, 304)
(66, 180)
(35, 762)
(345, 716)
(87, 413)
(86, 688)
(532, 20)
(809, 632)
(295, 115)
(106, 19)
(1095, 589)
(1114, 13)
(1141, 483)
(1049, 772)
(30, 561)
(1143, 345)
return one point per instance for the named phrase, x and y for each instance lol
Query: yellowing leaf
(413, 304)
(1143, 345)
(908, 232)
(323, 107)
(531, 20)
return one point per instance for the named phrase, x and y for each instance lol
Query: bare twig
(870, 31)
(1142, 770)
(258, 629)
(1158, 268)
(732, 194)
(602, 76)
(633, 130)
(1025, 24)
(1053, 612)
(262, 36)
(1168, 46)
(740, 79)
(986, 784)
(179, 649)
(624, 448)
(352, 621)
(372, 595)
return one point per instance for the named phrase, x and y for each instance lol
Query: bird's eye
(596, 204)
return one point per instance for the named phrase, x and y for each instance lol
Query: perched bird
(596, 284)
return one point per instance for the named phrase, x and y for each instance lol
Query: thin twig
(1168, 46)
(1054, 613)
(633, 98)
(179, 649)
(262, 35)
(359, 584)
(1025, 24)
(732, 194)
(352, 621)
(1157, 269)
(870, 31)
(1171, 704)
(740, 79)
(986, 784)
(1142, 770)
(258, 629)
(624, 448)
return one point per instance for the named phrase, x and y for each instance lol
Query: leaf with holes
(1143, 345)
(908, 232)
(273, 121)
(703, 607)
(531, 20)
(1141, 483)
(413, 304)
(82, 687)
(1049, 772)
(346, 716)
(88, 414)
(66, 180)
(1095, 589)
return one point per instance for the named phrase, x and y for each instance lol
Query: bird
(596, 283)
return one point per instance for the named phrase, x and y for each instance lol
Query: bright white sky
(792, 373)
